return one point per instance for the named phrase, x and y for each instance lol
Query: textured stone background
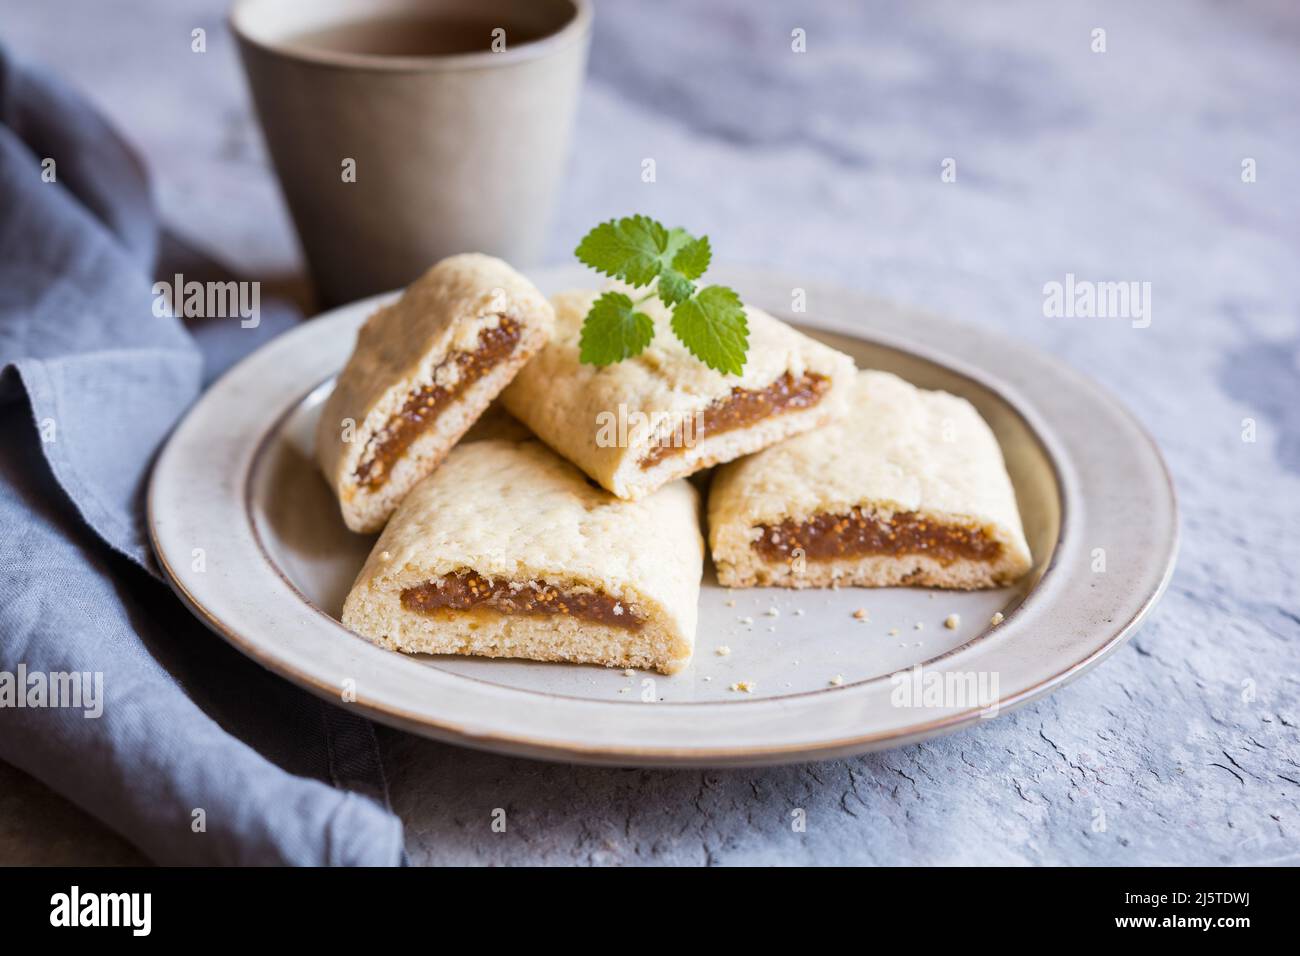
(1123, 165)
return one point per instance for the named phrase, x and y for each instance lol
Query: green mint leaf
(674, 287)
(676, 239)
(614, 330)
(631, 248)
(712, 325)
(710, 322)
(692, 259)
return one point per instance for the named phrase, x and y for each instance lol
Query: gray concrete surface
(1117, 165)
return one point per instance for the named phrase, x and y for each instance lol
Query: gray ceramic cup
(391, 162)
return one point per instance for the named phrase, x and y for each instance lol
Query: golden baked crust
(899, 450)
(606, 420)
(515, 512)
(411, 344)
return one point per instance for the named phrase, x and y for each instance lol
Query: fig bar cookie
(909, 488)
(422, 371)
(508, 551)
(664, 414)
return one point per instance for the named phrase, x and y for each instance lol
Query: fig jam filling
(469, 591)
(858, 533)
(744, 406)
(424, 405)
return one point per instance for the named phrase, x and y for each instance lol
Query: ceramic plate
(251, 538)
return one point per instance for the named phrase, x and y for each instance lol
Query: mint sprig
(710, 322)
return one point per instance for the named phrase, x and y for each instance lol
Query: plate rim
(747, 754)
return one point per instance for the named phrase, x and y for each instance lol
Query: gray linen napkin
(192, 752)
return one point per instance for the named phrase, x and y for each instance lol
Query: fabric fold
(191, 751)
